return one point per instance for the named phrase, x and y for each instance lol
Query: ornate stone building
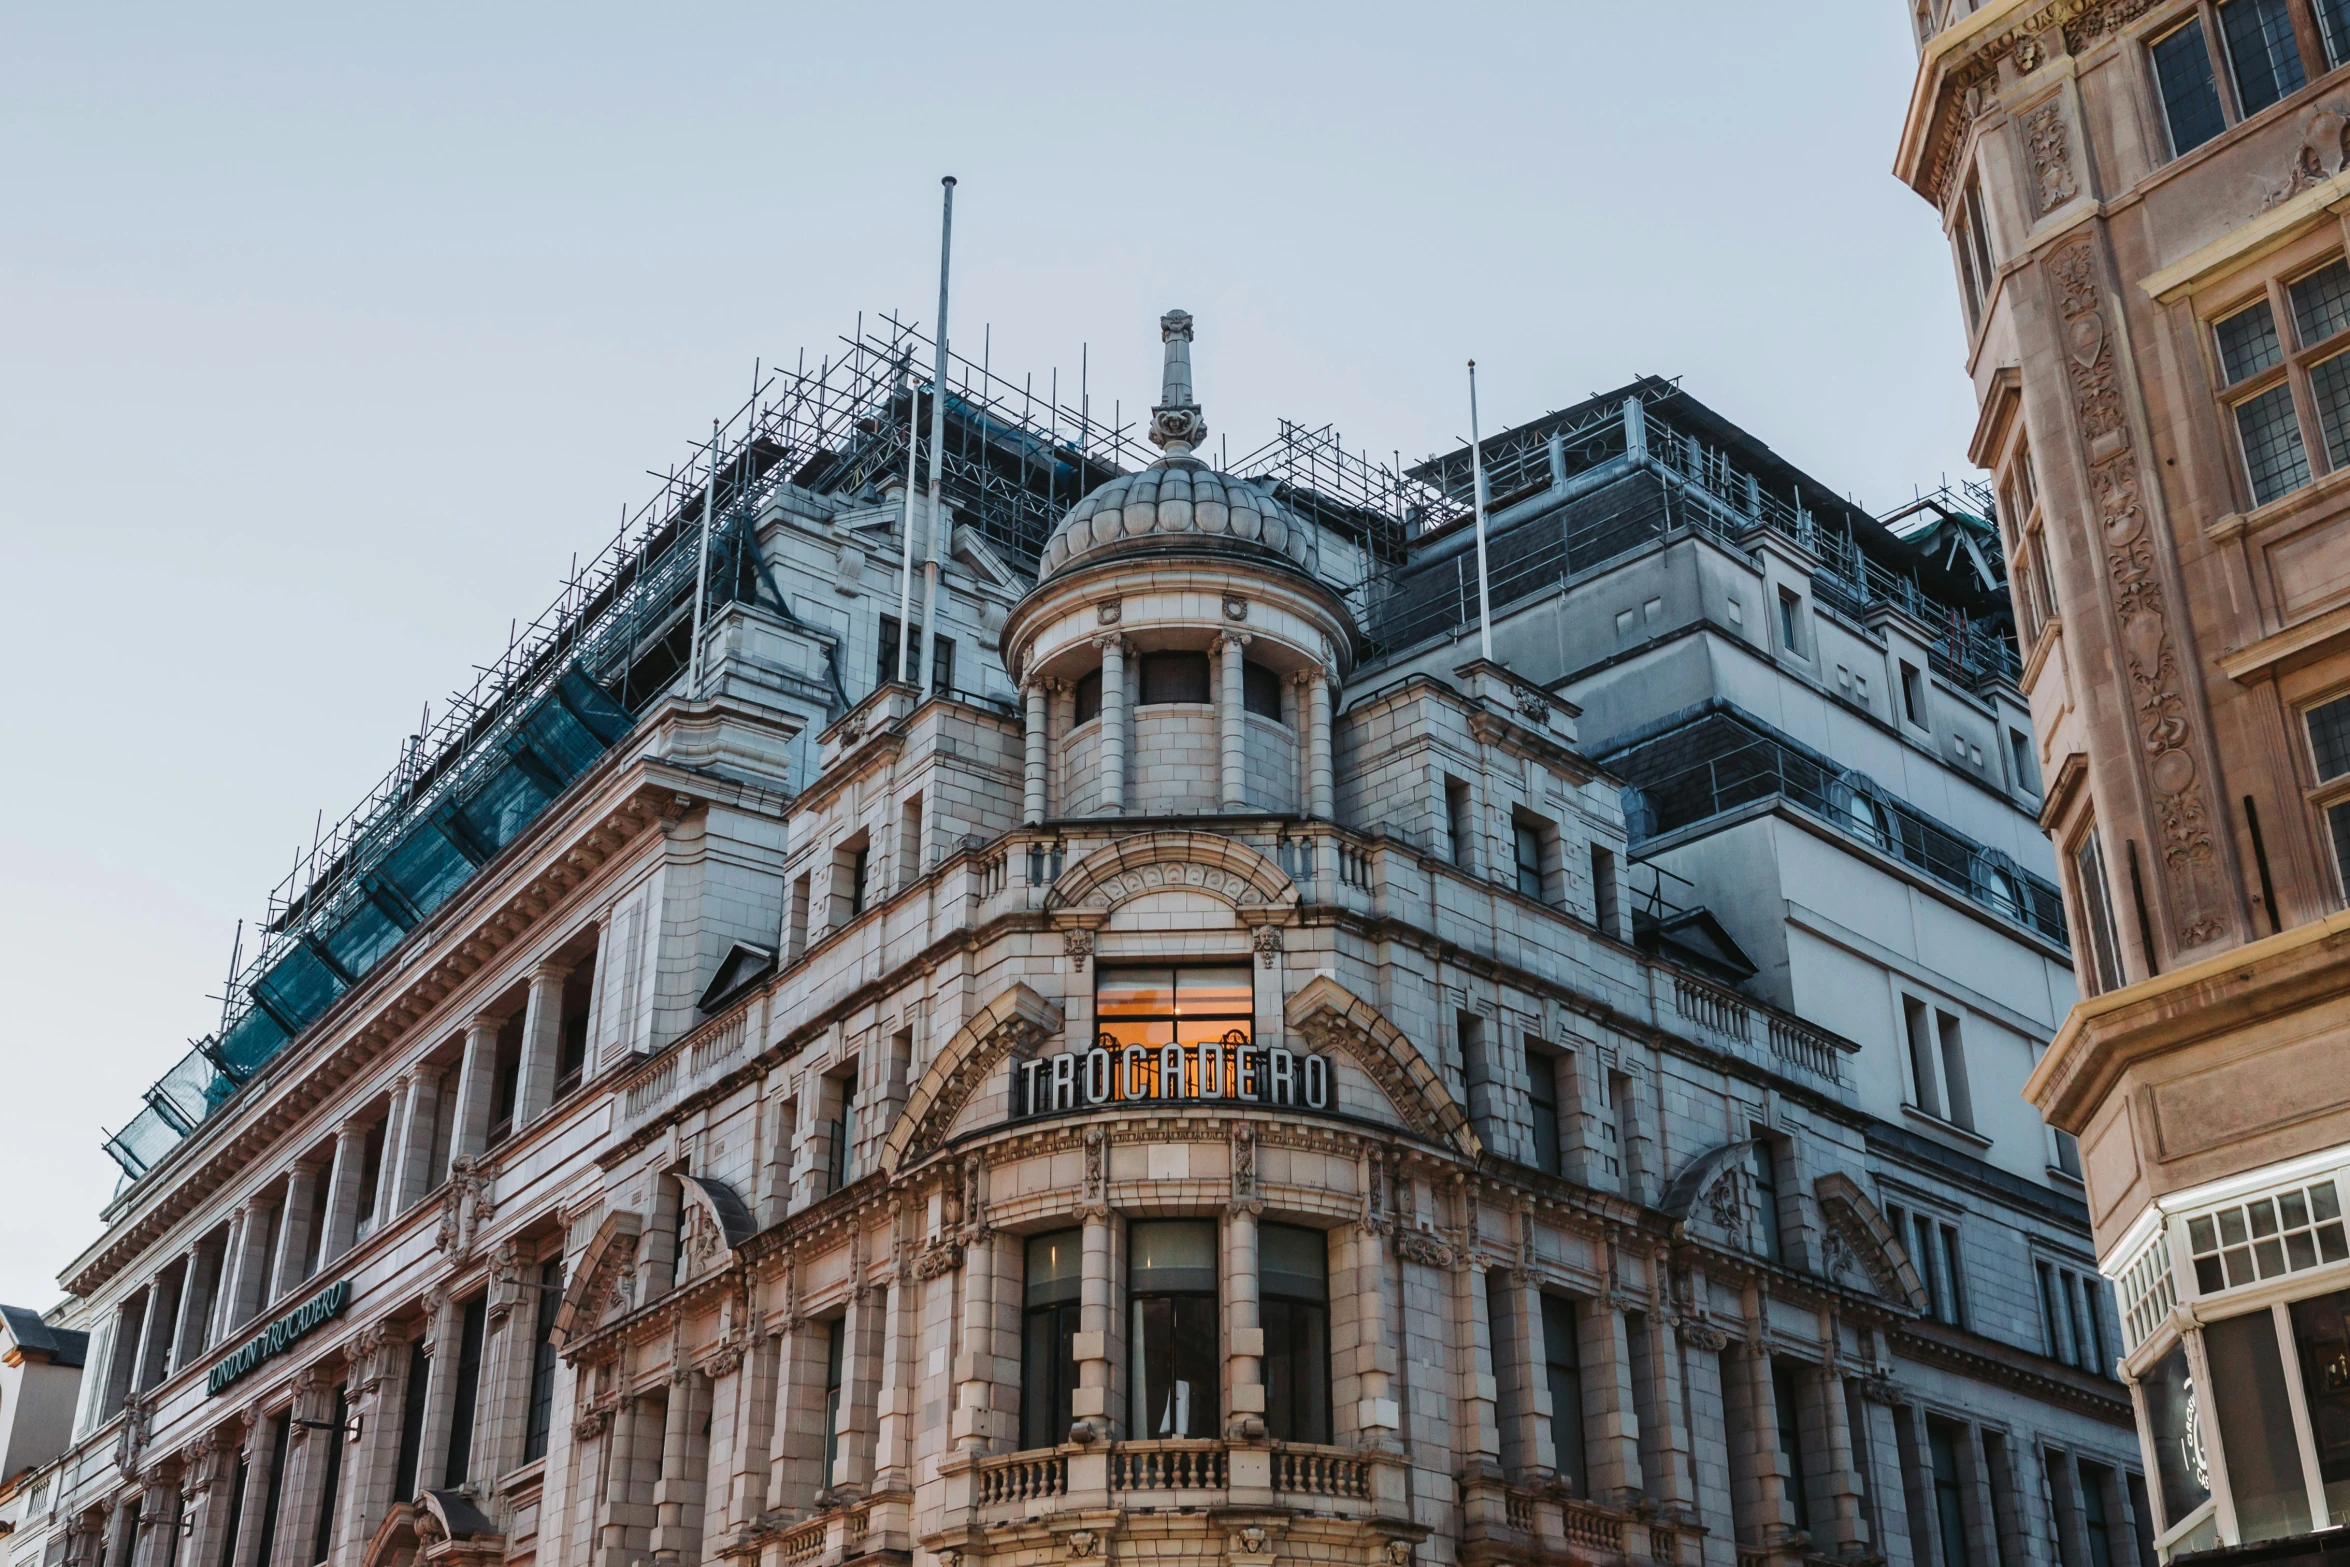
(2144, 206)
(1207, 1074)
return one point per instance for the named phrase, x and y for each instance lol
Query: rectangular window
(860, 861)
(1171, 1290)
(1770, 1239)
(2097, 909)
(942, 655)
(2329, 734)
(2248, 342)
(2052, 1319)
(1942, 1441)
(2333, 20)
(1542, 1077)
(1086, 697)
(1924, 1071)
(2274, 460)
(2329, 389)
(795, 943)
(1048, 1338)
(910, 842)
(1973, 239)
(280, 1429)
(2262, 55)
(2321, 1330)
(1476, 1071)
(1787, 1395)
(1457, 822)
(2190, 97)
(1615, 1090)
(1209, 1013)
(2043, 584)
(2095, 1522)
(1913, 695)
(1603, 883)
(2021, 762)
(2286, 1232)
(1927, 1255)
(1951, 1306)
(1791, 621)
(2338, 827)
(579, 993)
(543, 1365)
(1532, 848)
(1174, 677)
(840, 1089)
(1563, 1371)
(1293, 1293)
(1959, 1101)
(836, 1343)
(1260, 691)
(330, 1491)
(466, 1390)
(419, 1384)
(2256, 1427)
(2321, 303)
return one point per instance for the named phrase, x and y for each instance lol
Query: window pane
(2338, 823)
(1213, 992)
(2329, 729)
(1260, 691)
(1293, 1261)
(1174, 677)
(1297, 1370)
(2333, 17)
(2329, 388)
(2261, 51)
(1134, 992)
(1048, 1375)
(1171, 1254)
(2256, 1427)
(1056, 1267)
(2248, 342)
(2273, 457)
(1175, 1366)
(2190, 98)
(2322, 1329)
(1562, 1373)
(2321, 304)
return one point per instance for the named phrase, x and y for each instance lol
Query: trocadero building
(1197, 1074)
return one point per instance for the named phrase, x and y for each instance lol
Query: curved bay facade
(1219, 1081)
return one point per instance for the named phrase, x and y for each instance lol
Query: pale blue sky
(327, 337)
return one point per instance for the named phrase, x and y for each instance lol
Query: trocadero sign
(281, 1335)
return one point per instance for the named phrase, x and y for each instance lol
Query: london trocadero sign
(1233, 1071)
(280, 1335)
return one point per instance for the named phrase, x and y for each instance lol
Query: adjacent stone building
(1210, 1071)
(2144, 203)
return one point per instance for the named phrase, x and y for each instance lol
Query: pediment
(603, 1282)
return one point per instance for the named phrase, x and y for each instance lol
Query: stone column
(893, 1451)
(1244, 1333)
(1846, 1530)
(421, 1109)
(1318, 791)
(307, 1447)
(1061, 709)
(1766, 1474)
(1113, 730)
(752, 1425)
(342, 1192)
(1477, 1392)
(677, 1495)
(378, 1389)
(1378, 1413)
(1611, 1428)
(620, 1511)
(143, 1344)
(1038, 739)
(856, 1429)
(445, 1333)
(1232, 720)
(1702, 1372)
(975, 1425)
(542, 1043)
(476, 1089)
(1896, 1529)
(252, 1291)
(795, 1474)
(293, 1227)
(1090, 1402)
(1521, 1388)
(194, 1301)
(260, 1457)
(209, 1475)
(1665, 1443)
(222, 1315)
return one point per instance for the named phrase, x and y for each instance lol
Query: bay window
(1293, 1306)
(1171, 1295)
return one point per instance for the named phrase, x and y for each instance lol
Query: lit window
(2273, 458)
(2190, 98)
(1159, 1007)
(2262, 55)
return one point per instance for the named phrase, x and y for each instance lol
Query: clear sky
(329, 334)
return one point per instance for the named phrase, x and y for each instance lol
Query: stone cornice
(2235, 993)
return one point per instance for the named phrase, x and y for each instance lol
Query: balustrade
(1022, 1477)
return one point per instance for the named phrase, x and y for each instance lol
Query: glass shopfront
(1173, 1334)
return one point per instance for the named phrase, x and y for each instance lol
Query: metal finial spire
(1176, 424)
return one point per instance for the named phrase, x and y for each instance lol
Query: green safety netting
(422, 864)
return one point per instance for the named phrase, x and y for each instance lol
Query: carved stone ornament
(2146, 640)
(1878, 1387)
(1097, 1168)
(2318, 156)
(1107, 612)
(1725, 1205)
(1426, 1250)
(1532, 707)
(1268, 943)
(1084, 1544)
(1077, 946)
(1703, 1336)
(591, 1425)
(1244, 1169)
(1235, 607)
(2049, 140)
(465, 1207)
(939, 1256)
(1399, 1553)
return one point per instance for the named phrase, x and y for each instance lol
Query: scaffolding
(571, 683)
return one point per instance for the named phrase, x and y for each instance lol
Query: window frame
(2297, 361)
(2326, 795)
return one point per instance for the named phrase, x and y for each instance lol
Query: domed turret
(1178, 501)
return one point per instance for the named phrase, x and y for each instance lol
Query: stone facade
(1519, 1227)
(2144, 206)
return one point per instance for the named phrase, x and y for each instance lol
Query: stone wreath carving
(2146, 640)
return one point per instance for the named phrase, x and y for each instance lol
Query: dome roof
(1175, 500)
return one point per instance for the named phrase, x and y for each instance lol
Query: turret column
(1231, 717)
(1113, 733)
(1032, 804)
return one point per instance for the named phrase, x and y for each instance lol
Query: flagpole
(1477, 472)
(938, 446)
